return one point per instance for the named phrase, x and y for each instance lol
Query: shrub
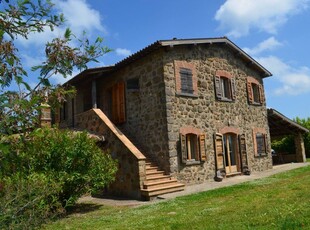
(28, 201)
(70, 161)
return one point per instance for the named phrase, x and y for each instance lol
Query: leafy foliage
(48, 171)
(28, 201)
(305, 122)
(286, 144)
(19, 110)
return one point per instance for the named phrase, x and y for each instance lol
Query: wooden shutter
(261, 94)
(118, 103)
(186, 76)
(219, 151)
(243, 152)
(218, 91)
(250, 93)
(183, 148)
(233, 88)
(202, 147)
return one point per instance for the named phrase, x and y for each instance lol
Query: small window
(193, 148)
(186, 81)
(225, 88)
(255, 91)
(133, 84)
(256, 94)
(260, 144)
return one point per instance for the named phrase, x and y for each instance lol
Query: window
(255, 91)
(224, 86)
(133, 84)
(186, 81)
(193, 148)
(260, 142)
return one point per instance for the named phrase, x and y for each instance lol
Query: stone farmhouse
(179, 112)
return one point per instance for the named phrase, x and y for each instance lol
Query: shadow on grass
(83, 208)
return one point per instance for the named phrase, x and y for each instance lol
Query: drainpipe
(94, 94)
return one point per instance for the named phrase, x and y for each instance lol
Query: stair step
(165, 181)
(159, 190)
(149, 168)
(155, 178)
(155, 172)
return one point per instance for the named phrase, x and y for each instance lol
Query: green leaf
(68, 34)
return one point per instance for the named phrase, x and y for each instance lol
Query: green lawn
(278, 202)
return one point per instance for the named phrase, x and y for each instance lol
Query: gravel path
(190, 189)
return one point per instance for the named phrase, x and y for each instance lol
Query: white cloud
(123, 52)
(80, 16)
(59, 79)
(240, 16)
(294, 81)
(268, 44)
(30, 61)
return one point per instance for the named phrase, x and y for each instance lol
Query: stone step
(154, 173)
(159, 190)
(164, 181)
(151, 167)
(155, 178)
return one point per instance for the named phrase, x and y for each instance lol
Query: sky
(274, 32)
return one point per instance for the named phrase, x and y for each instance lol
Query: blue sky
(274, 32)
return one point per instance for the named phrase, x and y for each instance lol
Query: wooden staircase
(157, 183)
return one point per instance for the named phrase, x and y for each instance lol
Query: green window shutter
(183, 148)
(219, 151)
(218, 91)
(202, 147)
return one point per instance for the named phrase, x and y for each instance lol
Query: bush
(28, 201)
(69, 161)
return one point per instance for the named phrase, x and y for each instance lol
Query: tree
(19, 109)
(42, 171)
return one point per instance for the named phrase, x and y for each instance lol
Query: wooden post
(94, 94)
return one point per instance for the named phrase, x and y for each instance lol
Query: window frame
(255, 91)
(225, 86)
(186, 78)
(261, 141)
(187, 71)
(192, 139)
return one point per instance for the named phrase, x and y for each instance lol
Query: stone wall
(131, 171)
(206, 113)
(145, 107)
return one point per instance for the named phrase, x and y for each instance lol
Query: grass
(281, 201)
